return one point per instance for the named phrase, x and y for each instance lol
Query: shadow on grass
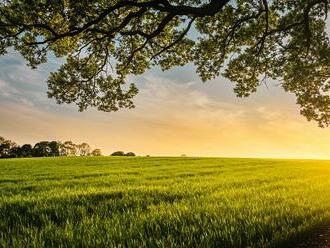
(40, 212)
(309, 238)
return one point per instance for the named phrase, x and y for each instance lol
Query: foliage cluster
(104, 42)
(121, 153)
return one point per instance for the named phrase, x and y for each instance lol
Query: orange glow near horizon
(173, 118)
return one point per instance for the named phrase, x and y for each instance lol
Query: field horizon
(178, 156)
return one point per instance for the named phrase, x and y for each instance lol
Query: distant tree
(42, 149)
(63, 150)
(84, 149)
(26, 150)
(130, 154)
(15, 152)
(5, 153)
(68, 148)
(5, 148)
(96, 152)
(54, 148)
(118, 153)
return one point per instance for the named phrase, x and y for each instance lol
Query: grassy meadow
(161, 202)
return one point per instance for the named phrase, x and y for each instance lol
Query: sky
(176, 113)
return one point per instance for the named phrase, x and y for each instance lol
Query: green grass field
(161, 202)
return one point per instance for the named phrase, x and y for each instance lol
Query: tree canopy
(104, 41)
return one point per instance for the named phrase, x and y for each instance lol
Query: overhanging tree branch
(285, 40)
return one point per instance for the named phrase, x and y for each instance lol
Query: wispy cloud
(6, 90)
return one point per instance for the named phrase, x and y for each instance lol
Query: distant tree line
(9, 149)
(121, 153)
